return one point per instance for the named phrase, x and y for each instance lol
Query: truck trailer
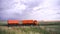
(19, 22)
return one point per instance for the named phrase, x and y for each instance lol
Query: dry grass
(30, 29)
(21, 30)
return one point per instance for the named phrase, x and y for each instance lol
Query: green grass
(34, 29)
(24, 30)
(3, 31)
(30, 30)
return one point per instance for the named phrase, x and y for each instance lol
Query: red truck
(22, 22)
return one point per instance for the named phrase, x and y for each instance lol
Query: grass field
(52, 29)
(30, 30)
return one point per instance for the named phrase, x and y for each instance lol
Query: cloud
(30, 9)
(46, 11)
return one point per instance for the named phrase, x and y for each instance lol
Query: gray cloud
(24, 9)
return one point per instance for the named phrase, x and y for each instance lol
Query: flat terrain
(48, 29)
(30, 30)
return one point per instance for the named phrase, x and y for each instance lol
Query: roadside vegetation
(52, 29)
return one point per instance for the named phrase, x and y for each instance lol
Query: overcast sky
(30, 9)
